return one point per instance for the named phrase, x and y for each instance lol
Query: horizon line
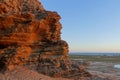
(92, 52)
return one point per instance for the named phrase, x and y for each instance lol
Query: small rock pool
(117, 66)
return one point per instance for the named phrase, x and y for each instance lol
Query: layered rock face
(31, 35)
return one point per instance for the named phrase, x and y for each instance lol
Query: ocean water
(94, 54)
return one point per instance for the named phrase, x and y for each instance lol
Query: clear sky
(89, 25)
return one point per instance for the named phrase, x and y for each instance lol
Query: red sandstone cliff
(30, 35)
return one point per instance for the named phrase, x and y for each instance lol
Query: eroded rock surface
(30, 35)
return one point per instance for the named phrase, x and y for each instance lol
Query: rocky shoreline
(99, 71)
(104, 70)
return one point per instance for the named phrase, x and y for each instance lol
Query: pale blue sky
(89, 25)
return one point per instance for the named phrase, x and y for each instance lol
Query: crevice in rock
(3, 46)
